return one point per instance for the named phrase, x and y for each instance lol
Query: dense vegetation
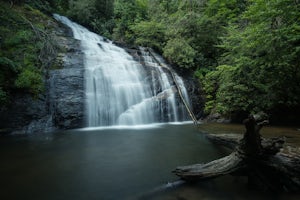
(26, 49)
(244, 52)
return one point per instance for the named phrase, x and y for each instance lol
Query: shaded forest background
(245, 53)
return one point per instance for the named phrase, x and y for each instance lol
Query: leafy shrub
(20, 37)
(7, 64)
(30, 80)
(180, 52)
(215, 84)
(149, 34)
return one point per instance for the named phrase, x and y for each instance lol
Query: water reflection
(112, 164)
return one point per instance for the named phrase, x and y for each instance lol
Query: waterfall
(122, 91)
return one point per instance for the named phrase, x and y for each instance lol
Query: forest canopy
(245, 53)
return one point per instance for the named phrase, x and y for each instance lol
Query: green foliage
(82, 11)
(31, 80)
(245, 52)
(104, 8)
(265, 51)
(181, 47)
(7, 65)
(150, 34)
(18, 38)
(126, 14)
(215, 84)
(42, 6)
(225, 11)
(239, 49)
(24, 45)
(103, 27)
(180, 52)
(59, 5)
(95, 14)
(50, 6)
(101, 20)
(161, 24)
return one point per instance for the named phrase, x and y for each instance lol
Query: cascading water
(163, 86)
(120, 90)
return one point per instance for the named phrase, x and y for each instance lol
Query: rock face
(66, 94)
(61, 106)
(195, 93)
(24, 114)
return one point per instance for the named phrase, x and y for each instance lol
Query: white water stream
(122, 91)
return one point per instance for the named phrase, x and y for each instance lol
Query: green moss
(19, 38)
(23, 36)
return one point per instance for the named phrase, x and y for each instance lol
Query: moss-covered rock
(27, 49)
(41, 73)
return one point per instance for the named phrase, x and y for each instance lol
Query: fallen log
(260, 159)
(222, 166)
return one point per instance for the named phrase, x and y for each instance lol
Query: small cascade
(163, 85)
(179, 84)
(122, 91)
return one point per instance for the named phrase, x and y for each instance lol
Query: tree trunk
(258, 158)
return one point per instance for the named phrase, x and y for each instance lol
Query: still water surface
(113, 163)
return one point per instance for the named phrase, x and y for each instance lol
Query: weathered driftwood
(258, 158)
(222, 166)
